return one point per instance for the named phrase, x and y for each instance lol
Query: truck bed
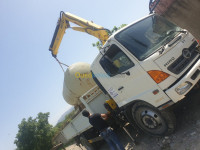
(93, 101)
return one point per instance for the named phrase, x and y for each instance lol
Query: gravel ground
(186, 136)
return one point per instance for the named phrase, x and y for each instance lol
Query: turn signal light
(158, 76)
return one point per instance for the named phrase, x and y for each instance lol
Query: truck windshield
(145, 37)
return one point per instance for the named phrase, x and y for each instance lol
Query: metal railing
(152, 5)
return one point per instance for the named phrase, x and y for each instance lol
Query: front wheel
(151, 120)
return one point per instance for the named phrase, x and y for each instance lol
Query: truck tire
(86, 144)
(151, 120)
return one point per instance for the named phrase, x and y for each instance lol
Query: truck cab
(146, 67)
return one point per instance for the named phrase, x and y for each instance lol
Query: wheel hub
(150, 119)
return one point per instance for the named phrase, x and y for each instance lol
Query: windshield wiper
(168, 39)
(173, 31)
(165, 43)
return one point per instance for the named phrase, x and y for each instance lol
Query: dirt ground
(186, 136)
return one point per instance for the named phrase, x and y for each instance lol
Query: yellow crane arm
(85, 26)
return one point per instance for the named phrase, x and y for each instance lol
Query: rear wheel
(151, 120)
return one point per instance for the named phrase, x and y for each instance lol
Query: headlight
(181, 89)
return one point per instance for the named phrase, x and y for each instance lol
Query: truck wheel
(86, 144)
(151, 120)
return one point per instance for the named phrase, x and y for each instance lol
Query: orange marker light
(158, 76)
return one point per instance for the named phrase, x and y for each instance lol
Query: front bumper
(192, 77)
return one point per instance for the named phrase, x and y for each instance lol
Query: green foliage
(98, 44)
(34, 134)
(117, 28)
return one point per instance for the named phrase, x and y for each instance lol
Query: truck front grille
(181, 62)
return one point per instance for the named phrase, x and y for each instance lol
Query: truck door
(125, 79)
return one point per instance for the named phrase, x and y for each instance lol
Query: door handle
(120, 88)
(127, 73)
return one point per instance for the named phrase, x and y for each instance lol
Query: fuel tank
(77, 81)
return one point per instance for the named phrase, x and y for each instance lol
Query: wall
(184, 13)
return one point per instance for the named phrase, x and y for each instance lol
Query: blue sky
(31, 80)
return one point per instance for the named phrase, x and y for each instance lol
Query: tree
(34, 134)
(98, 44)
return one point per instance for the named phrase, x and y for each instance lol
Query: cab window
(115, 61)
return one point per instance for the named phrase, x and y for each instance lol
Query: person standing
(98, 122)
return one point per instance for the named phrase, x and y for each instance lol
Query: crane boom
(85, 26)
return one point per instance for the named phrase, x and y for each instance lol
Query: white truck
(144, 67)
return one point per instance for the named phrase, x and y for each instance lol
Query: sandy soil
(186, 136)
